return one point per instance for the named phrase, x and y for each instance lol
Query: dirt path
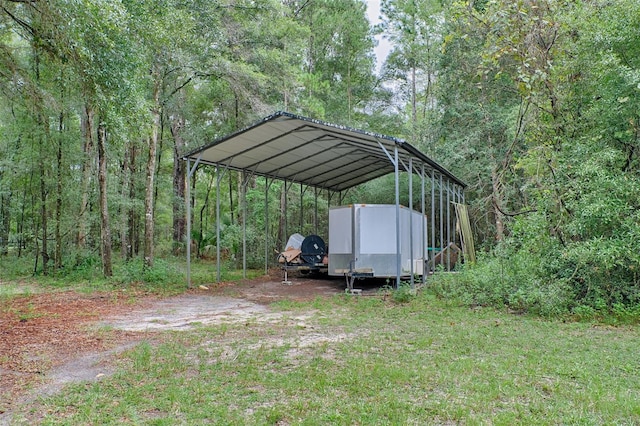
(49, 340)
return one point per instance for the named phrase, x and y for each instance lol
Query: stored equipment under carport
(304, 254)
(363, 243)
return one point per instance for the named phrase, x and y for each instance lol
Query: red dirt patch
(270, 288)
(40, 332)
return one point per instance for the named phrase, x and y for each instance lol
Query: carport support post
(190, 172)
(455, 217)
(188, 198)
(244, 230)
(218, 224)
(315, 213)
(441, 219)
(266, 225)
(424, 227)
(218, 179)
(396, 173)
(245, 181)
(286, 217)
(448, 224)
(397, 188)
(411, 218)
(433, 218)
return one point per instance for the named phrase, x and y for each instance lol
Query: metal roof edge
(231, 135)
(340, 127)
(293, 116)
(278, 114)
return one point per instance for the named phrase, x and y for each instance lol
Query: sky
(383, 48)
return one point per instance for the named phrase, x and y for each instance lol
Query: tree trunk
(125, 182)
(192, 201)
(414, 100)
(58, 250)
(5, 220)
(43, 219)
(21, 225)
(44, 191)
(87, 175)
(179, 184)
(349, 93)
(150, 183)
(105, 230)
(497, 199)
(205, 207)
(159, 149)
(132, 222)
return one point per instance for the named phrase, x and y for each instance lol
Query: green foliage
(86, 267)
(339, 80)
(533, 272)
(619, 314)
(515, 282)
(404, 293)
(14, 268)
(542, 99)
(162, 276)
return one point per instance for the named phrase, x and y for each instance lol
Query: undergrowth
(166, 276)
(524, 284)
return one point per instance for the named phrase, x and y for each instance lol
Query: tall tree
(413, 28)
(340, 78)
(102, 55)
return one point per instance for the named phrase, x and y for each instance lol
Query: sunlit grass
(359, 360)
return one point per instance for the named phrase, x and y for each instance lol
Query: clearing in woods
(48, 340)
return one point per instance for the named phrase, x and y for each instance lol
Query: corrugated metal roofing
(303, 150)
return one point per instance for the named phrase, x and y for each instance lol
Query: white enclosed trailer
(363, 241)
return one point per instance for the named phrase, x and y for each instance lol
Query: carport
(327, 157)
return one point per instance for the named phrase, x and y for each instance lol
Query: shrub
(404, 293)
(534, 271)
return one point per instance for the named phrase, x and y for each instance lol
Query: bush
(404, 293)
(498, 280)
(161, 276)
(532, 271)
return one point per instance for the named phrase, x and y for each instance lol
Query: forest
(534, 104)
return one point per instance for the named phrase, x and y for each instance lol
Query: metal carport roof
(311, 152)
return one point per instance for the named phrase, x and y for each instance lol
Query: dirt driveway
(52, 339)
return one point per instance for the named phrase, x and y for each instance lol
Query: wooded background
(533, 103)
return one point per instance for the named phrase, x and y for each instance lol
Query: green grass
(9, 290)
(167, 276)
(360, 360)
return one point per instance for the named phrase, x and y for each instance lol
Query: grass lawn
(364, 360)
